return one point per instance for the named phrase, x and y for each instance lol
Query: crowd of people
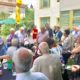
(44, 54)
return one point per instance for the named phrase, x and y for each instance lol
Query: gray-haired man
(23, 62)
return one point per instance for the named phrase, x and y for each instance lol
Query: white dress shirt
(20, 36)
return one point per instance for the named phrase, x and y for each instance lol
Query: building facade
(70, 13)
(46, 11)
(9, 6)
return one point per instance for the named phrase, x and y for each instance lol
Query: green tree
(5, 30)
(29, 18)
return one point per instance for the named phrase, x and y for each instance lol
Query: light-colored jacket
(49, 65)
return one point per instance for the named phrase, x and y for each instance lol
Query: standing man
(23, 62)
(42, 35)
(75, 33)
(48, 64)
(49, 30)
(58, 33)
(21, 34)
(11, 36)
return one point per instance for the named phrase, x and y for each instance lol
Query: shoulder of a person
(12, 48)
(53, 49)
(17, 32)
(39, 33)
(8, 36)
(73, 32)
(55, 56)
(60, 32)
(50, 29)
(39, 59)
(59, 47)
(39, 75)
(46, 32)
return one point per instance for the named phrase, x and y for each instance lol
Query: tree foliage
(28, 21)
(5, 29)
(29, 18)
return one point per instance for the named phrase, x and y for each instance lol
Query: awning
(8, 21)
(1, 22)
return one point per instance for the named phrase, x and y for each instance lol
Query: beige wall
(8, 0)
(69, 4)
(52, 12)
(10, 9)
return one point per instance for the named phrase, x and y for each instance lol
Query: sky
(28, 2)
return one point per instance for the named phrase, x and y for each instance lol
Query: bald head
(23, 60)
(44, 48)
(24, 53)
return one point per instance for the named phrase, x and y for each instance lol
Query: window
(44, 3)
(64, 18)
(76, 18)
(44, 20)
(58, 0)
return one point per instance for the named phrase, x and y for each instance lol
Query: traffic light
(19, 2)
(17, 15)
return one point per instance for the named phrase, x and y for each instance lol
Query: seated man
(23, 62)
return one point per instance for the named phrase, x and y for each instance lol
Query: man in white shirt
(20, 35)
(23, 62)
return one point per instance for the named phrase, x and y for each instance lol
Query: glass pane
(45, 20)
(58, 0)
(44, 3)
(64, 18)
(76, 18)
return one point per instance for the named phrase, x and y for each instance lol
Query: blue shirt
(3, 49)
(31, 76)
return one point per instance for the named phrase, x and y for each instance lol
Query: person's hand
(1, 57)
(4, 57)
(75, 68)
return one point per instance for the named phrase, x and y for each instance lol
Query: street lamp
(18, 4)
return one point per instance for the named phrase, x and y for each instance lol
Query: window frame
(48, 17)
(41, 4)
(58, 0)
